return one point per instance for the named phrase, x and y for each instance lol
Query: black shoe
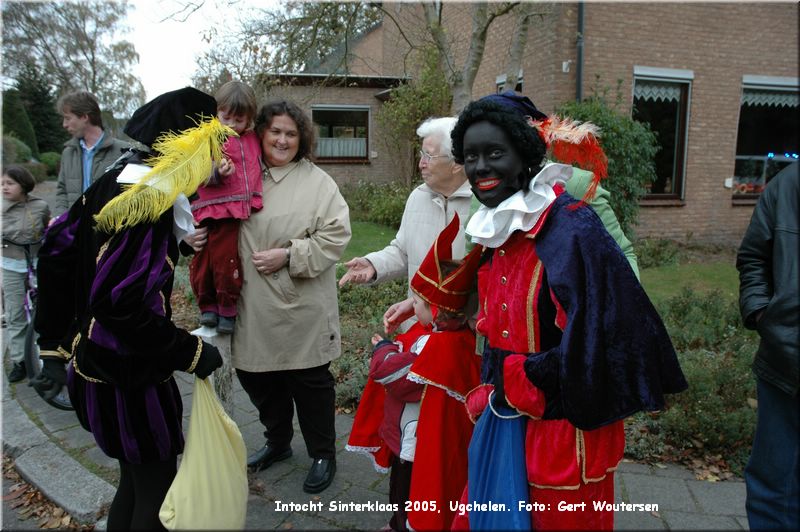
(225, 325)
(266, 456)
(208, 319)
(17, 372)
(320, 476)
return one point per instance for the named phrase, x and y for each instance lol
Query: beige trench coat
(290, 319)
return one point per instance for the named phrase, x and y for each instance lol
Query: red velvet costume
(446, 370)
(560, 313)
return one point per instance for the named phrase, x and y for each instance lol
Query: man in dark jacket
(770, 302)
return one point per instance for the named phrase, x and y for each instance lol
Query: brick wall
(719, 42)
(382, 166)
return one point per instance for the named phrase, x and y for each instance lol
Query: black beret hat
(172, 111)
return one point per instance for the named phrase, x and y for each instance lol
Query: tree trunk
(462, 85)
(518, 43)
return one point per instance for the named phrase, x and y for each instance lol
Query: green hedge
(380, 203)
(716, 415)
(52, 160)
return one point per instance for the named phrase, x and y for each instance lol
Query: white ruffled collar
(520, 211)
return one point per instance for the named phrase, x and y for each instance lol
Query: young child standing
(424, 421)
(25, 218)
(231, 194)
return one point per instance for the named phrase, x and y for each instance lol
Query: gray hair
(440, 127)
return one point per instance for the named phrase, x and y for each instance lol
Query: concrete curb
(46, 466)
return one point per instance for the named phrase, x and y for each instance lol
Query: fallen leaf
(655, 514)
(65, 520)
(58, 512)
(752, 403)
(53, 522)
(14, 494)
(17, 503)
(660, 466)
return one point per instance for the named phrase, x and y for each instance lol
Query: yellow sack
(210, 490)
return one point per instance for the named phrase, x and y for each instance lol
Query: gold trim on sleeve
(196, 356)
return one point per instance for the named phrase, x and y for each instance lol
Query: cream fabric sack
(210, 490)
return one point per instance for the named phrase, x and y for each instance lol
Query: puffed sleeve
(128, 297)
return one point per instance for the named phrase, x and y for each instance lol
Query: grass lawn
(666, 281)
(715, 273)
(367, 237)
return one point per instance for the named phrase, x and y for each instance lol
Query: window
(342, 132)
(500, 80)
(661, 99)
(767, 139)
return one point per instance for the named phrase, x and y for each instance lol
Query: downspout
(579, 58)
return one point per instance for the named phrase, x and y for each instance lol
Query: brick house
(717, 82)
(350, 144)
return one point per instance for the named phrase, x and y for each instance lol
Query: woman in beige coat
(287, 331)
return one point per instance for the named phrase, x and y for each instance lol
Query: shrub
(714, 414)
(655, 252)
(17, 122)
(38, 170)
(361, 310)
(630, 147)
(52, 160)
(427, 94)
(15, 151)
(381, 203)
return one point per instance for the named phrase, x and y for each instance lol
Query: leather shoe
(266, 456)
(320, 476)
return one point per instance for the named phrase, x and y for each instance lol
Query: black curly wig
(526, 141)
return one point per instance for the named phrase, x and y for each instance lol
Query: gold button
(503, 280)
(504, 334)
(502, 253)
(503, 307)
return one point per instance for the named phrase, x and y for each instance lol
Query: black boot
(17, 372)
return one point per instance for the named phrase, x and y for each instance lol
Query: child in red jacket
(425, 384)
(231, 194)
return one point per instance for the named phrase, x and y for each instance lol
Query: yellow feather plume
(185, 162)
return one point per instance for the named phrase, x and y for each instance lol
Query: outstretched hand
(397, 314)
(359, 271)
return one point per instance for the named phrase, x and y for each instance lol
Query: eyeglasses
(427, 156)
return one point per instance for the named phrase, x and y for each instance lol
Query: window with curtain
(767, 139)
(661, 99)
(342, 132)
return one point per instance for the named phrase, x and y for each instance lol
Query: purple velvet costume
(104, 299)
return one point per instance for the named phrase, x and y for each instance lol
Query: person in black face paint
(573, 345)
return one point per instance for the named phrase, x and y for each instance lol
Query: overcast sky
(168, 50)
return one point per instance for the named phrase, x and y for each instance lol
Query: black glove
(52, 378)
(499, 396)
(210, 359)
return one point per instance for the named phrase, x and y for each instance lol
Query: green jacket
(70, 176)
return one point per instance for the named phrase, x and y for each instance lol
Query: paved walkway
(53, 452)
